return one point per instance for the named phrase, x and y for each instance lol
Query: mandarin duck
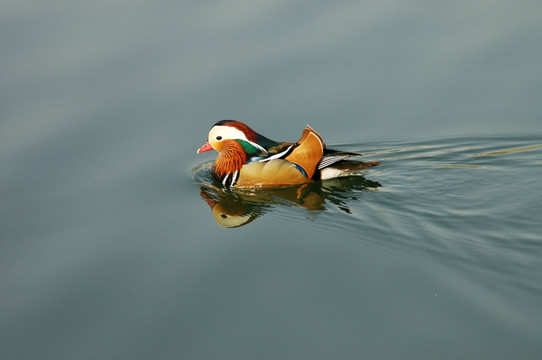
(247, 159)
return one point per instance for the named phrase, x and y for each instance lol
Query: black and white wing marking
(279, 155)
(333, 156)
(329, 160)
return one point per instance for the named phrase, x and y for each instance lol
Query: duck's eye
(219, 138)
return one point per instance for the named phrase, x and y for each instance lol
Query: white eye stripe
(227, 132)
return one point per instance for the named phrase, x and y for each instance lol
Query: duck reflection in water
(238, 207)
(251, 172)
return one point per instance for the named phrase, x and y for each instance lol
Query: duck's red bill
(204, 148)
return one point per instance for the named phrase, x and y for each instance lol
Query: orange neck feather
(231, 158)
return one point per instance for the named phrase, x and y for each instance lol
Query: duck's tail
(345, 168)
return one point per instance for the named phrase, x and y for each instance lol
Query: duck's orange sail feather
(308, 152)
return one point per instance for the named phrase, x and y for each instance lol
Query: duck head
(225, 130)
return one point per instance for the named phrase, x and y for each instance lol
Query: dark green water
(110, 246)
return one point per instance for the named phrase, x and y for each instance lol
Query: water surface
(110, 245)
